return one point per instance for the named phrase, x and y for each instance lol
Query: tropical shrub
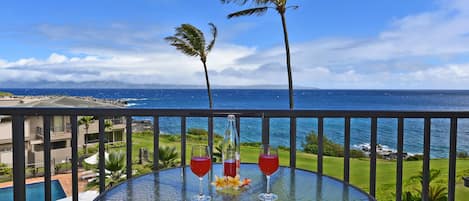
(63, 167)
(115, 170)
(168, 157)
(436, 191)
(416, 157)
(6, 172)
(329, 148)
(462, 154)
(197, 131)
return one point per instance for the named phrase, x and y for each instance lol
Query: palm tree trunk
(209, 92)
(287, 49)
(86, 133)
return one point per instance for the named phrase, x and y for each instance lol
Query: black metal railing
(19, 114)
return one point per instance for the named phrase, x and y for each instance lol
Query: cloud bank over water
(426, 50)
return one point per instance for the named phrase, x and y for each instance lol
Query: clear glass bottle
(231, 149)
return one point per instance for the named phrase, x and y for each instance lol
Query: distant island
(125, 85)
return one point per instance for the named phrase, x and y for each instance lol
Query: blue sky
(391, 44)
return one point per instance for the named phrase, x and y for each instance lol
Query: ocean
(427, 100)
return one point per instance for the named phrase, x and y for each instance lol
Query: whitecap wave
(380, 148)
(131, 104)
(133, 99)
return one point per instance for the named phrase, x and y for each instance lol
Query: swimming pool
(35, 192)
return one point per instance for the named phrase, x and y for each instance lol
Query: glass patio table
(181, 184)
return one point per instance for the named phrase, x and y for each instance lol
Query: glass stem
(268, 184)
(201, 192)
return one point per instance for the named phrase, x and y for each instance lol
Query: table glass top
(172, 184)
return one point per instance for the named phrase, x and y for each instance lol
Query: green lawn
(5, 93)
(333, 166)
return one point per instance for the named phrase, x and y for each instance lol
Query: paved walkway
(65, 181)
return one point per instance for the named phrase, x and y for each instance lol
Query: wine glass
(200, 165)
(268, 163)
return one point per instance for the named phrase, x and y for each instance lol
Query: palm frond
(194, 36)
(243, 2)
(182, 46)
(248, 12)
(167, 157)
(85, 120)
(214, 31)
(293, 7)
(108, 124)
(191, 35)
(263, 2)
(239, 2)
(437, 193)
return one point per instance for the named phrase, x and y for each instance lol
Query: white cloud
(57, 58)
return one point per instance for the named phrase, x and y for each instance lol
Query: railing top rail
(274, 113)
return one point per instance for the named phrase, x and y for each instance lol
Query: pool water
(35, 192)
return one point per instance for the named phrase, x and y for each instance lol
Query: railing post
(265, 130)
(210, 137)
(47, 158)
(320, 143)
(19, 186)
(102, 157)
(74, 122)
(128, 129)
(347, 150)
(426, 158)
(293, 142)
(374, 133)
(183, 143)
(156, 142)
(238, 126)
(452, 159)
(210, 148)
(400, 149)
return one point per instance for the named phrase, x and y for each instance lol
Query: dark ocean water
(304, 99)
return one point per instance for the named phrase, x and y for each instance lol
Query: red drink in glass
(268, 163)
(200, 165)
(229, 168)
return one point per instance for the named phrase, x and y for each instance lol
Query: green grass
(333, 166)
(5, 93)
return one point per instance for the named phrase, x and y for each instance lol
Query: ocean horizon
(317, 99)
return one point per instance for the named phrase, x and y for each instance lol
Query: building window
(6, 148)
(91, 138)
(38, 147)
(109, 137)
(117, 120)
(58, 124)
(59, 145)
(118, 136)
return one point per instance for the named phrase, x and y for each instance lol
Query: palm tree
(191, 41)
(86, 121)
(167, 157)
(108, 125)
(262, 7)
